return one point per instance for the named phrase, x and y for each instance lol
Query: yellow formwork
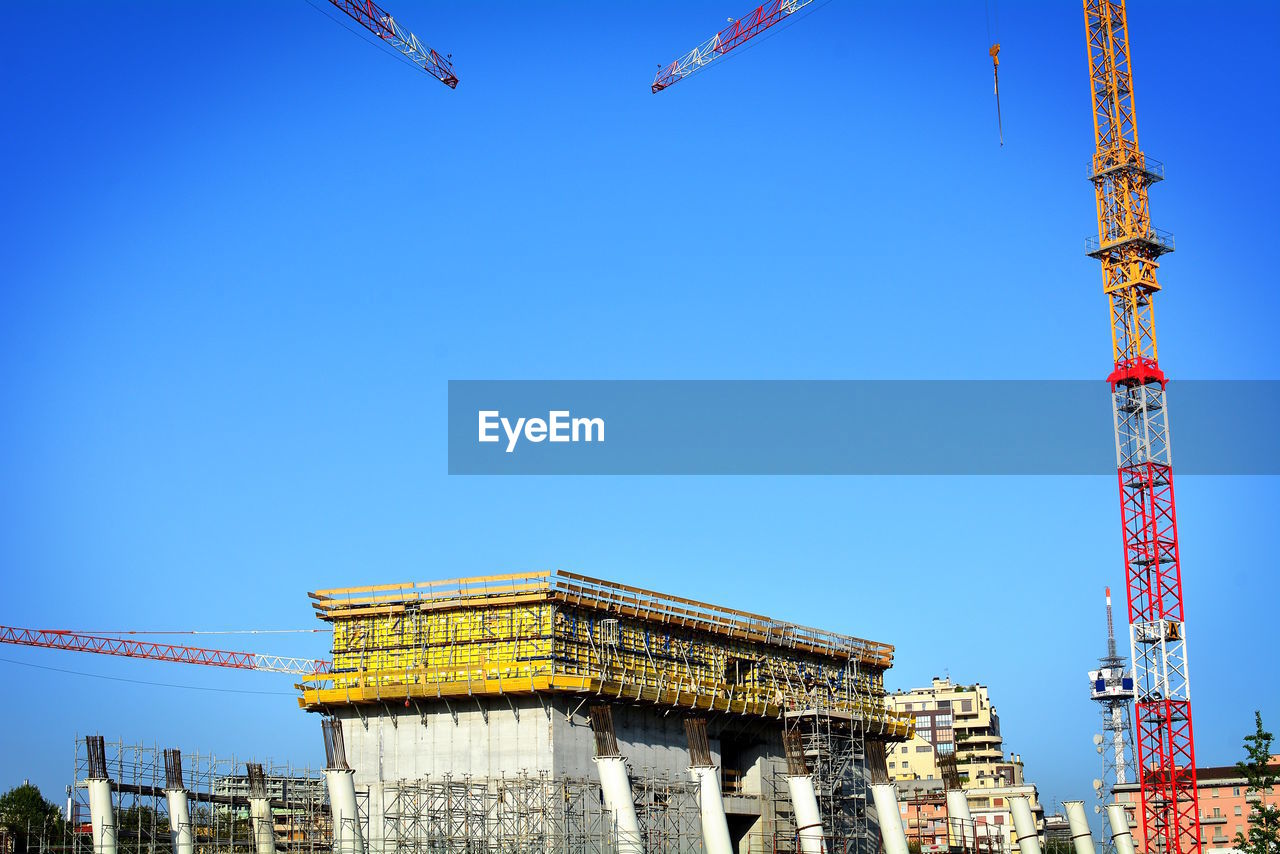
(567, 633)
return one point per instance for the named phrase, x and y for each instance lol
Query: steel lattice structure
(378, 21)
(53, 639)
(740, 31)
(1129, 248)
(1111, 687)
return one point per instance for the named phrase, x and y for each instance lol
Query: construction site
(549, 711)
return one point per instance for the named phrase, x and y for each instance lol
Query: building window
(893, 764)
(999, 802)
(922, 748)
(1217, 813)
(966, 705)
(1238, 810)
(1236, 791)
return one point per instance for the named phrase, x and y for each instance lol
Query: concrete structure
(102, 816)
(1078, 823)
(494, 680)
(1121, 836)
(1024, 826)
(715, 823)
(1224, 806)
(891, 833)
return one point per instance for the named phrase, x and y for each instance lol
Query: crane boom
(1129, 248)
(740, 31)
(55, 639)
(376, 20)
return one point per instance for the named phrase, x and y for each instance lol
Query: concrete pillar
(804, 802)
(1120, 835)
(885, 796)
(347, 836)
(715, 826)
(960, 830)
(1081, 835)
(619, 803)
(262, 825)
(1024, 824)
(102, 817)
(180, 821)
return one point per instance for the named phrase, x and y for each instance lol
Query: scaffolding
(561, 632)
(532, 814)
(218, 788)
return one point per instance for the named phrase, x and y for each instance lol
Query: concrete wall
(491, 737)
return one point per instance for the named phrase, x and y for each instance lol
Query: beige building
(961, 719)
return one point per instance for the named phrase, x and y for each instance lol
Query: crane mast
(1129, 248)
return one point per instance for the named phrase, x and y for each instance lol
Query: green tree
(1264, 817)
(29, 817)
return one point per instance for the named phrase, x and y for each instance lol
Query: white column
(347, 837)
(180, 821)
(1120, 835)
(619, 803)
(261, 823)
(1081, 835)
(102, 817)
(892, 835)
(715, 826)
(804, 801)
(1024, 824)
(960, 829)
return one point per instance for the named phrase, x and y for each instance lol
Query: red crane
(74, 641)
(737, 33)
(378, 21)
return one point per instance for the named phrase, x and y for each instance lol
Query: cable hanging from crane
(994, 53)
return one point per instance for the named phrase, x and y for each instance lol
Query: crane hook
(995, 69)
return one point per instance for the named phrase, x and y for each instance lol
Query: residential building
(961, 719)
(1224, 800)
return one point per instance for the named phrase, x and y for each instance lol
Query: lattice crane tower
(1129, 249)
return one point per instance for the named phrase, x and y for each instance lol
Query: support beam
(1120, 835)
(804, 801)
(102, 817)
(715, 825)
(1081, 835)
(1024, 824)
(885, 796)
(619, 803)
(961, 832)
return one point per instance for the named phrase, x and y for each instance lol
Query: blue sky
(244, 251)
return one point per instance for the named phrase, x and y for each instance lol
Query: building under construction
(554, 712)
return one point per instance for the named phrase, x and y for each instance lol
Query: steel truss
(1129, 248)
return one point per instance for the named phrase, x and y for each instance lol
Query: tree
(1264, 818)
(29, 817)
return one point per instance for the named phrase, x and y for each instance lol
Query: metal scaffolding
(218, 788)
(532, 814)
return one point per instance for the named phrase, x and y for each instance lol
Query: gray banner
(874, 427)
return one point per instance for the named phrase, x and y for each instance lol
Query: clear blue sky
(244, 251)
